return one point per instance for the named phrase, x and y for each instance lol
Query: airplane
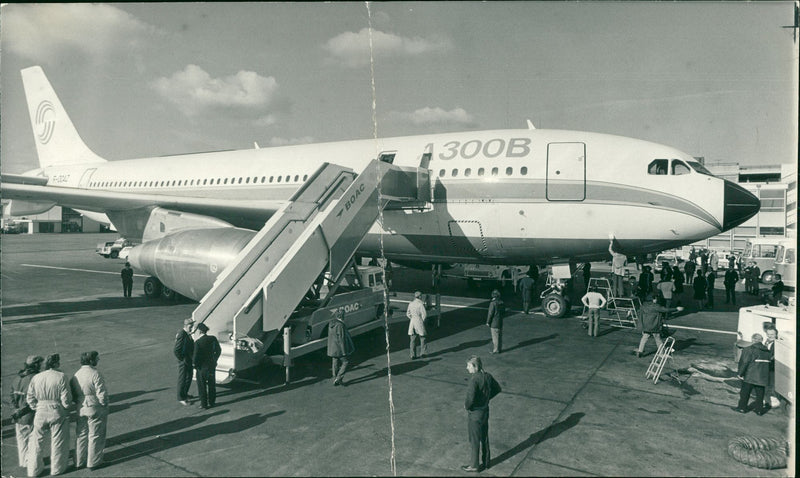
(515, 196)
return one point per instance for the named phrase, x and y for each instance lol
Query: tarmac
(571, 405)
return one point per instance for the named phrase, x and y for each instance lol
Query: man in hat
(127, 279)
(184, 348)
(340, 346)
(23, 414)
(50, 397)
(416, 325)
(91, 397)
(206, 353)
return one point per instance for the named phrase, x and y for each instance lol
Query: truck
(361, 295)
(110, 249)
(505, 275)
(757, 319)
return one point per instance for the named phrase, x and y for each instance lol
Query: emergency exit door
(566, 172)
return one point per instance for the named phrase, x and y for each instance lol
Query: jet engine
(188, 262)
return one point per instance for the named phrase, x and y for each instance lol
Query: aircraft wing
(240, 212)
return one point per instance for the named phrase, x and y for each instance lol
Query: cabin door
(566, 172)
(87, 176)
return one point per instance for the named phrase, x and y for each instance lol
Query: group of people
(43, 402)
(198, 356)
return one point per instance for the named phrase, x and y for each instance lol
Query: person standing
(618, 262)
(50, 397)
(416, 326)
(594, 301)
(754, 373)
(184, 349)
(526, 285)
(730, 280)
(481, 389)
(494, 319)
(340, 346)
(587, 275)
(91, 397)
(688, 269)
(645, 286)
(769, 343)
(205, 356)
(127, 279)
(678, 279)
(713, 261)
(699, 289)
(756, 276)
(652, 316)
(710, 279)
(777, 290)
(23, 413)
(666, 289)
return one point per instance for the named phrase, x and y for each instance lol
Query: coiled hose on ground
(767, 453)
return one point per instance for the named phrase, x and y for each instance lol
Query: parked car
(670, 258)
(111, 249)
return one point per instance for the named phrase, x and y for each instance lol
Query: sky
(716, 79)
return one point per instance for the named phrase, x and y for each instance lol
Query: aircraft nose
(740, 205)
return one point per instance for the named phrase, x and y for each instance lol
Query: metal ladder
(621, 310)
(657, 364)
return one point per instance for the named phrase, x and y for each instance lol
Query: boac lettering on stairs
(353, 197)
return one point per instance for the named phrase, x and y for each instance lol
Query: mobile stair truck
(314, 235)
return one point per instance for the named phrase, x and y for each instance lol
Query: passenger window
(279, 178)
(523, 170)
(441, 173)
(467, 172)
(288, 178)
(305, 177)
(679, 167)
(263, 179)
(509, 171)
(247, 181)
(205, 181)
(226, 181)
(270, 178)
(658, 167)
(240, 180)
(494, 171)
(218, 180)
(454, 173)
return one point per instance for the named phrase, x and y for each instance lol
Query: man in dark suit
(184, 349)
(754, 373)
(206, 353)
(494, 319)
(127, 279)
(482, 387)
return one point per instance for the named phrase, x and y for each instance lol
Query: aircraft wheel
(168, 293)
(114, 254)
(555, 305)
(768, 277)
(152, 288)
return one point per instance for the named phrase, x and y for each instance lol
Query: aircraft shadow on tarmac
(54, 308)
(177, 433)
(535, 438)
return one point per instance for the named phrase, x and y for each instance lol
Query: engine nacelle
(189, 262)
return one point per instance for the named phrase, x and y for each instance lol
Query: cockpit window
(679, 167)
(658, 166)
(699, 168)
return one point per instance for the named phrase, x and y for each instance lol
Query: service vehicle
(756, 319)
(786, 263)
(111, 249)
(360, 296)
(505, 275)
(762, 251)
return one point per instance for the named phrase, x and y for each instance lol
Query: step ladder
(657, 364)
(621, 311)
(319, 229)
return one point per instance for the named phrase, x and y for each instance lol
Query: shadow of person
(398, 369)
(184, 437)
(535, 438)
(460, 347)
(532, 341)
(160, 429)
(122, 396)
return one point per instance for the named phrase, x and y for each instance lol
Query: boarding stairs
(318, 230)
(621, 311)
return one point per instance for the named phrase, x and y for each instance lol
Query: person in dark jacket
(23, 414)
(587, 275)
(652, 317)
(494, 319)
(205, 356)
(710, 279)
(645, 286)
(184, 349)
(754, 373)
(526, 285)
(777, 290)
(699, 288)
(340, 347)
(127, 279)
(481, 389)
(730, 280)
(678, 279)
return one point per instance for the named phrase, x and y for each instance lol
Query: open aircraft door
(566, 171)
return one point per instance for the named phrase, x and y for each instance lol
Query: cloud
(428, 116)
(352, 49)
(193, 90)
(46, 32)
(277, 141)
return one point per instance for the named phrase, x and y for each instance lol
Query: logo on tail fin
(45, 121)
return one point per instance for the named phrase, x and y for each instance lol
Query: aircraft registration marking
(515, 148)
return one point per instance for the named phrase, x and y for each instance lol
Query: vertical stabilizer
(57, 141)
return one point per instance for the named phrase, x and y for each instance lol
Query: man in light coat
(340, 347)
(50, 397)
(416, 326)
(91, 397)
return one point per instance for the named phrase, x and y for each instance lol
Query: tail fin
(57, 141)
